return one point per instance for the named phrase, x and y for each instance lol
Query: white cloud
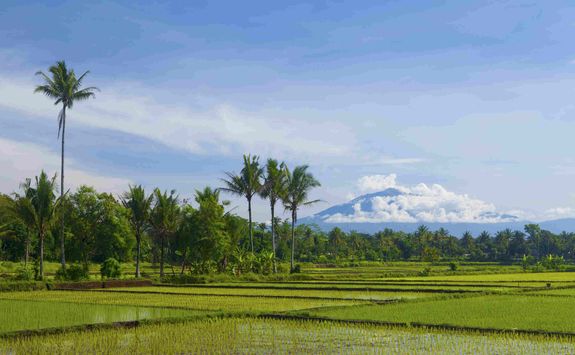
(19, 161)
(376, 182)
(559, 212)
(218, 129)
(419, 203)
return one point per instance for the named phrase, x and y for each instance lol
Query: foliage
(21, 286)
(246, 184)
(74, 272)
(138, 205)
(24, 273)
(110, 268)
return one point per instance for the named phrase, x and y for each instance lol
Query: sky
(476, 97)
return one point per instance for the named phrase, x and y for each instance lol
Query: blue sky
(475, 96)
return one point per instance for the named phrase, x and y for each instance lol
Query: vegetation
(66, 89)
(494, 312)
(28, 315)
(237, 335)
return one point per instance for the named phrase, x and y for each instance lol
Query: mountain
(406, 209)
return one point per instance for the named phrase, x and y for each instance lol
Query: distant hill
(368, 213)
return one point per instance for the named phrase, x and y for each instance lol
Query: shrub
(110, 268)
(21, 286)
(426, 271)
(72, 273)
(453, 266)
(24, 273)
(296, 269)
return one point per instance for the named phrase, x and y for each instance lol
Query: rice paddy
(480, 314)
(248, 336)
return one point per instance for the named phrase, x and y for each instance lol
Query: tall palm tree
(138, 203)
(37, 206)
(65, 88)
(246, 184)
(273, 188)
(298, 185)
(164, 219)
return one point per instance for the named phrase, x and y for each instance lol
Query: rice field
(277, 293)
(553, 314)
(19, 315)
(512, 313)
(249, 336)
(222, 303)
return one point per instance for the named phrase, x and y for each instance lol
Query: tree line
(158, 226)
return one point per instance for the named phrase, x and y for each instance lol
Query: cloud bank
(411, 204)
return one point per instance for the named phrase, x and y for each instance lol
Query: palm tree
(66, 89)
(272, 189)
(164, 219)
(298, 185)
(138, 204)
(246, 184)
(37, 208)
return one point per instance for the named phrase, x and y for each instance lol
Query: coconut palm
(246, 184)
(66, 89)
(273, 188)
(36, 208)
(164, 218)
(298, 185)
(138, 204)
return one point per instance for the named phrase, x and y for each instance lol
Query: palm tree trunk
(162, 256)
(184, 260)
(41, 255)
(27, 254)
(292, 240)
(138, 242)
(62, 233)
(250, 222)
(273, 238)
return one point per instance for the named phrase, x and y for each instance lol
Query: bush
(24, 273)
(425, 272)
(453, 266)
(72, 273)
(296, 269)
(21, 286)
(110, 268)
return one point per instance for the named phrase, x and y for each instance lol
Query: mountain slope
(405, 210)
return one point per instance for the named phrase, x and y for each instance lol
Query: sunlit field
(468, 313)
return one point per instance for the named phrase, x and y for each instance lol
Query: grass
(222, 303)
(26, 315)
(239, 336)
(553, 314)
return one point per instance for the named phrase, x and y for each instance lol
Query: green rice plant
(258, 336)
(551, 314)
(279, 293)
(31, 315)
(198, 302)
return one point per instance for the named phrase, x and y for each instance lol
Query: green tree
(211, 237)
(534, 233)
(273, 188)
(37, 207)
(246, 184)
(299, 183)
(138, 205)
(164, 219)
(66, 89)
